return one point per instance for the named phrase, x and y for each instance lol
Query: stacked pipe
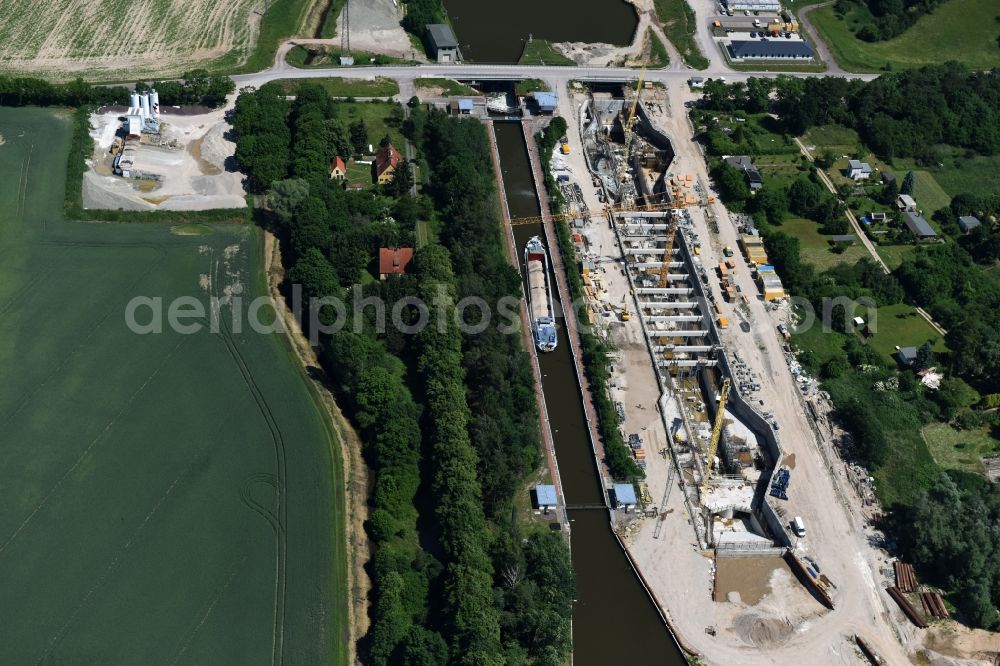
(906, 607)
(905, 580)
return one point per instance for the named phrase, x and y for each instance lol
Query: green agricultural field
(960, 449)
(165, 497)
(902, 325)
(816, 248)
(962, 30)
(381, 120)
(958, 172)
(833, 137)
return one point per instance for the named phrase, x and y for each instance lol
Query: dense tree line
(419, 13)
(26, 91)
(194, 87)
(950, 532)
(904, 114)
(499, 378)
(534, 580)
(885, 19)
(448, 419)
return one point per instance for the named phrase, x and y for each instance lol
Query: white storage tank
(155, 99)
(133, 101)
(144, 99)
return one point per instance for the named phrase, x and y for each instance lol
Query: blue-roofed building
(624, 496)
(769, 49)
(545, 495)
(460, 107)
(546, 101)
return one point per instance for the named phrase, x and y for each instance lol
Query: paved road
(555, 75)
(806, 26)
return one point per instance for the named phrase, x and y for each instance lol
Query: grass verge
(339, 86)
(679, 25)
(962, 30)
(541, 52)
(449, 87)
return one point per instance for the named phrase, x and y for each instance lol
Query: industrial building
(754, 5)
(143, 117)
(443, 43)
(769, 49)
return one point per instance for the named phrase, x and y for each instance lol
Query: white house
(857, 170)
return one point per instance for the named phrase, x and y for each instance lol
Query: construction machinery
(625, 315)
(720, 417)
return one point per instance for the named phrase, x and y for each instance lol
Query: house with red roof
(338, 169)
(386, 161)
(393, 261)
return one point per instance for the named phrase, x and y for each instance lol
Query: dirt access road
(836, 533)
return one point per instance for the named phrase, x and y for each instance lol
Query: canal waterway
(614, 619)
(497, 31)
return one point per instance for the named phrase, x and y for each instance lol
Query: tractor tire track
(278, 442)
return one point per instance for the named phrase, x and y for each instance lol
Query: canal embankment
(609, 591)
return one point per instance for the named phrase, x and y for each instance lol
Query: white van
(798, 527)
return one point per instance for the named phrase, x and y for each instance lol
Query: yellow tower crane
(720, 416)
(668, 249)
(627, 127)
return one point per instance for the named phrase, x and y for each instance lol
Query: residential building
(443, 44)
(393, 261)
(858, 170)
(769, 49)
(338, 169)
(905, 202)
(386, 161)
(919, 225)
(906, 355)
(745, 164)
(888, 177)
(967, 223)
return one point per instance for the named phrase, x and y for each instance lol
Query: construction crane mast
(345, 29)
(668, 248)
(720, 417)
(627, 127)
